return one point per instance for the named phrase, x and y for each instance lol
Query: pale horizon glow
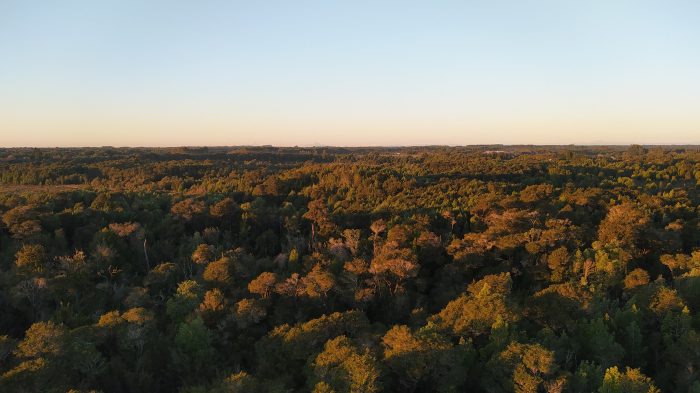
(359, 73)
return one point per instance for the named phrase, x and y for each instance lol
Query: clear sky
(295, 72)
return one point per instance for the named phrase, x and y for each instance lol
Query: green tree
(193, 350)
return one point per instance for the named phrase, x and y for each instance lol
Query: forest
(325, 269)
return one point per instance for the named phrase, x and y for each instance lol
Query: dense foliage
(485, 269)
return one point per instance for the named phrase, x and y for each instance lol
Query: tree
(249, 312)
(631, 381)
(536, 193)
(188, 209)
(558, 306)
(285, 349)
(319, 216)
(425, 359)
(624, 226)
(558, 263)
(218, 272)
(521, 368)
(185, 300)
(475, 313)
(33, 290)
(290, 287)
(263, 285)
(680, 264)
(31, 259)
(44, 356)
(636, 278)
(449, 216)
(318, 283)
(212, 306)
(394, 265)
(42, 339)
(241, 382)
(193, 350)
(377, 227)
(597, 343)
(587, 378)
(22, 221)
(203, 254)
(352, 240)
(471, 250)
(226, 210)
(344, 368)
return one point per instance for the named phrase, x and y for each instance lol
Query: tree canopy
(263, 269)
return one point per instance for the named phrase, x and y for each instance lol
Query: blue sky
(165, 73)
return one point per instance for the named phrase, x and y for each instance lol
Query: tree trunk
(148, 263)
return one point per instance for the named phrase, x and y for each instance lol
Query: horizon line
(357, 146)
